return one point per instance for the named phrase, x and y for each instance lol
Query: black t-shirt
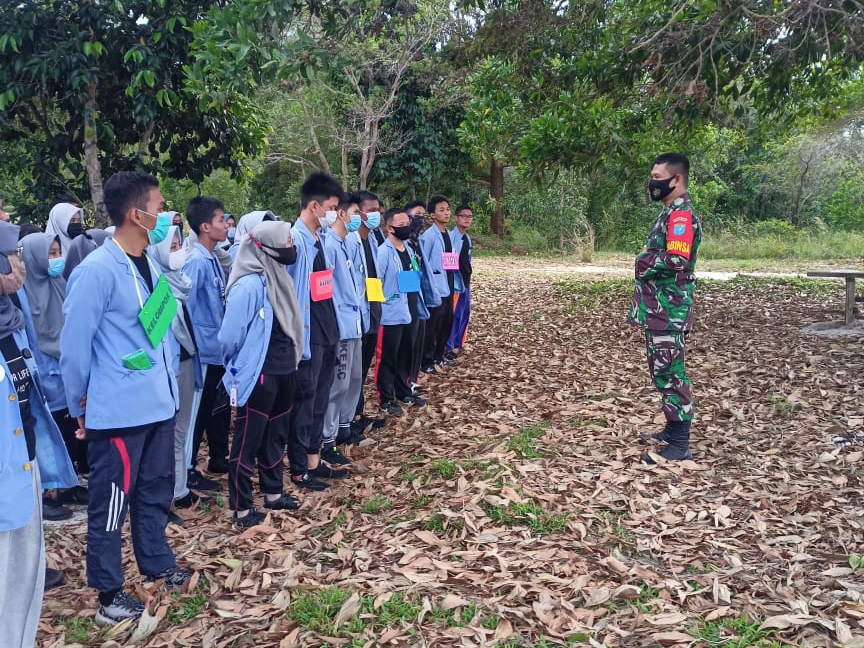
(184, 354)
(144, 268)
(405, 258)
(22, 381)
(372, 273)
(448, 247)
(465, 261)
(324, 329)
(280, 359)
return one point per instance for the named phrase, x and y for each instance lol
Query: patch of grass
(421, 501)
(78, 629)
(589, 294)
(524, 444)
(518, 642)
(332, 526)
(189, 607)
(739, 632)
(406, 474)
(529, 514)
(315, 610)
(579, 422)
(399, 609)
(376, 504)
(445, 467)
(435, 523)
(455, 618)
(490, 622)
(791, 243)
(469, 464)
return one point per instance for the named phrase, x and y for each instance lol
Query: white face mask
(177, 259)
(328, 219)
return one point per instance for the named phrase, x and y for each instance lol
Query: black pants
(77, 449)
(134, 471)
(216, 425)
(313, 379)
(370, 343)
(438, 331)
(260, 434)
(394, 365)
(419, 347)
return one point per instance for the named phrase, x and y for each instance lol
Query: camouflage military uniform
(663, 302)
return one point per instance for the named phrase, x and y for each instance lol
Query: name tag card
(449, 260)
(409, 281)
(321, 285)
(374, 290)
(158, 312)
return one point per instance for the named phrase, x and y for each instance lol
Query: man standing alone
(663, 300)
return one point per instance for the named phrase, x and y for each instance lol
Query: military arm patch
(679, 239)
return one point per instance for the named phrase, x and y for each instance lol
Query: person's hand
(81, 432)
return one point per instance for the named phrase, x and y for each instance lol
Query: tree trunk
(345, 167)
(91, 159)
(496, 189)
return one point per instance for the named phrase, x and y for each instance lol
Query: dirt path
(513, 510)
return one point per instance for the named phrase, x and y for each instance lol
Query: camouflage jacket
(665, 280)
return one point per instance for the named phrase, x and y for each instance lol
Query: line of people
(123, 349)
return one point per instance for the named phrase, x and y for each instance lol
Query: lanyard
(132, 270)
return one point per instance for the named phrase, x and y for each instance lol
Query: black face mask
(659, 189)
(74, 229)
(402, 232)
(283, 255)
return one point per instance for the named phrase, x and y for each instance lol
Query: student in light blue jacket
(434, 242)
(261, 340)
(462, 307)
(206, 305)
(349, 299)
(32, 456)
(120, 385)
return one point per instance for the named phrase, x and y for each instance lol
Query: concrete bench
(849, 276)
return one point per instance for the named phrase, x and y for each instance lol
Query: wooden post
(850, 300)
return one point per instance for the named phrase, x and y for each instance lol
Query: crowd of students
(122, 349)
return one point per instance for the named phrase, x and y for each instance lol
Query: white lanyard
(132, 270)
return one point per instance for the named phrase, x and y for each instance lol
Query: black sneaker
(122, 607)
(417, 389)
(197, 481)
(332, 455)
(253, 518)
(284, 503)
(74, 495)
(414, 401)
(173, 518)
(450, 356)
(309, 482)
(217, 465)
(173, 576)
(53, 578)
(669, 453)
(190, 499)
(323, 471)
(391, 408)
(429, 369)
(54, 511)
(448, 362)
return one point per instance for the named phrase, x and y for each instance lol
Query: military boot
(678, 448)
(661, 437)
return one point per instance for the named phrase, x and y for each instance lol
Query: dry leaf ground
(513, 510)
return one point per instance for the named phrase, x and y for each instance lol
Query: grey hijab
(280, 286)
(11, 317)
(180, 287)
(44, 293)
(80, 247)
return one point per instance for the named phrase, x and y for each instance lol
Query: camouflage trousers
(665, 350)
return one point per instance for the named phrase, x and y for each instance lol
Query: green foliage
(187, 608)
(738, 632)
(315, 610)
(529, 514)
(376, 504)
(445, 467)
(524, 444)
(78, 629)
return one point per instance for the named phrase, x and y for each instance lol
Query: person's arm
(240, 310)
(87, 295)
(194, 268)
(672, 256)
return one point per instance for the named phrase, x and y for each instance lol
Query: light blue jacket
(300, 272)
(205, 304)
(394, 310)
(102, 327)
(49, 366)
(245, 334)
(347, 294)
(432, 247)
(456, 241)
(361, 273)
(16, 480)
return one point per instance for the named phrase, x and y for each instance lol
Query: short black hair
(363, 195)
(200, 210)
(678, 164)
(125, 190)
(347, 200)
(415, 203)
(27, 228)
(434, 201)
(319, 187)
(462, 207)
(390, 214)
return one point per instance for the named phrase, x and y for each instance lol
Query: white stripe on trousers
(115, 509)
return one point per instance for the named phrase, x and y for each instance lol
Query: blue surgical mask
(56, 266)
(354, 224)
(231, 233)
(163, 224)
(373, 220)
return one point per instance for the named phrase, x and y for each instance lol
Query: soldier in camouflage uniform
(663, 300)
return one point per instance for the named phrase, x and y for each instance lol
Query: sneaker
(323, 471)
(429, 369)
(284, 503)
(199, 482)
(173, 576)
(253, 518)
(74, 495)
(449, 362)
(190, 499)
(414, 401)
(217, 465)
(53, 578)
(375, 423)
(417, 389)
(842, 441)
(309, 482)
(54, 511)
(173, 518)
(122, 607)
(391, 408)
(450, 356)
(332, 455)
(669, 453)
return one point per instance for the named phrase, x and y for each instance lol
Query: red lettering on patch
(679, 238)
